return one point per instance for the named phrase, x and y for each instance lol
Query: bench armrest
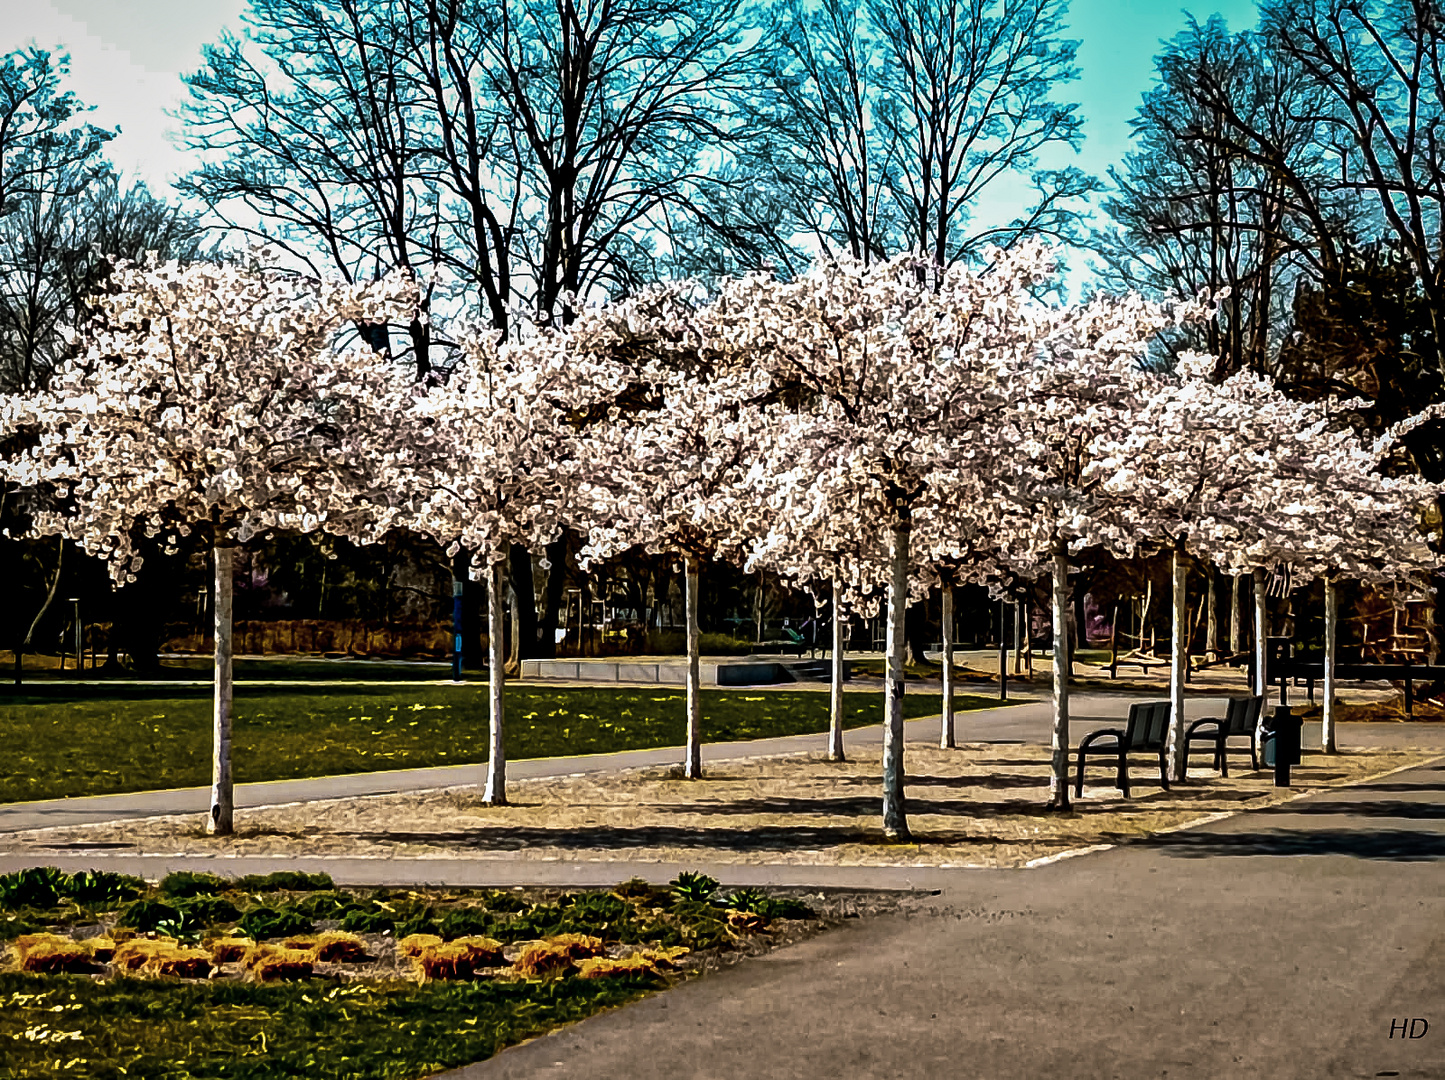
(1116, 733)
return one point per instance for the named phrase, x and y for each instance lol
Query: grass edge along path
(59, 746)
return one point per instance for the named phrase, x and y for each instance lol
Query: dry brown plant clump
(600, 967)
(102, 949)
(457, 959)
(269, 963)
(227, 950)
(51, 954)
(413, 944)
(577, 946)
(540, 959)
(179, 962)
(665, 956)
(135, 953)
(338, 947)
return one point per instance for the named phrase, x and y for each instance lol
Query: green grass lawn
(73, 1026)
(63, 741)
(358, 1017)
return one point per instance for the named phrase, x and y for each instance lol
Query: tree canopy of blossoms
(494, 458)
(665, 467)
(214, 399)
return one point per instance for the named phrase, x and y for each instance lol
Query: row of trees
(867, 430)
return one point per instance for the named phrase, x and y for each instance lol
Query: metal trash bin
(1281, 731)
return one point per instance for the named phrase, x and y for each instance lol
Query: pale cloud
(126, 59)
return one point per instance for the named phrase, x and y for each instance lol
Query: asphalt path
(1283, 943)
(1025, 721)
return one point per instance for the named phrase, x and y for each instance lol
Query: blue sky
(127, 56)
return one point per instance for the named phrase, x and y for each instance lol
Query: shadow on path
(1396, 845)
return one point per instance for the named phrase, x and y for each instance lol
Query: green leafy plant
(208, 910)
(286, 881)
(746, 900)
(372, 920)
(692, 886)
(184, 883)
(785, 907)
(466, 922)
(101, 887)
(327, 905)
(35, 886)
(264, 922)
(147, 915)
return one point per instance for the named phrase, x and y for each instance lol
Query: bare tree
(1196, 207)
(1380, 65)
(312, 133)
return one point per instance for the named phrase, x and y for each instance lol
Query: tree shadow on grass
(1396, 845)
(990, 782)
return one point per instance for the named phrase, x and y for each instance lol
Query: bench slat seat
(1241, 717)
(1145, 732)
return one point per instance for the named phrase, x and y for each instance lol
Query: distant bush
(285, 880)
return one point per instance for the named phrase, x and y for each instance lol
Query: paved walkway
(1283, 943)
(1026, 722)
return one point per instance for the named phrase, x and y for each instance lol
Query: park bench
(1144, 732)
(1241, 717)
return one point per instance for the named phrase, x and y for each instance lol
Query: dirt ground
(976, 806)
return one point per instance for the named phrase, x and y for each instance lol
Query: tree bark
(948, 740)
(895, 815)
(513, 664)
(1211, 624)
(1332, 622)
(223, 803)
(1261, 632)
(1059, 741)
(692, 766)
(835, 699)
(1236, 639)
(1178, 659)
(49, 599)
(552, 598)
(495, 792)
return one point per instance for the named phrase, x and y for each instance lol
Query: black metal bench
(1241, 717)
(1145, 731)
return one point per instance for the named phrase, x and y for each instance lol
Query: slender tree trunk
(1261, 632)
(895, 816)
(835, 699)
(49, 599)
(1211, 624)
(1332, 623)
(514, 660)
(692, 767)
(495, 792)
(947, 740)
(1261, 674)
(223, 795)
(1059, 742)
(1178, 659)
(1236, 640)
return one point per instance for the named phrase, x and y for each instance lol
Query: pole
(456, 630)
(1332, 622)
(1003, 650)
(947, 740)
(835, 689)
(1236, 640)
